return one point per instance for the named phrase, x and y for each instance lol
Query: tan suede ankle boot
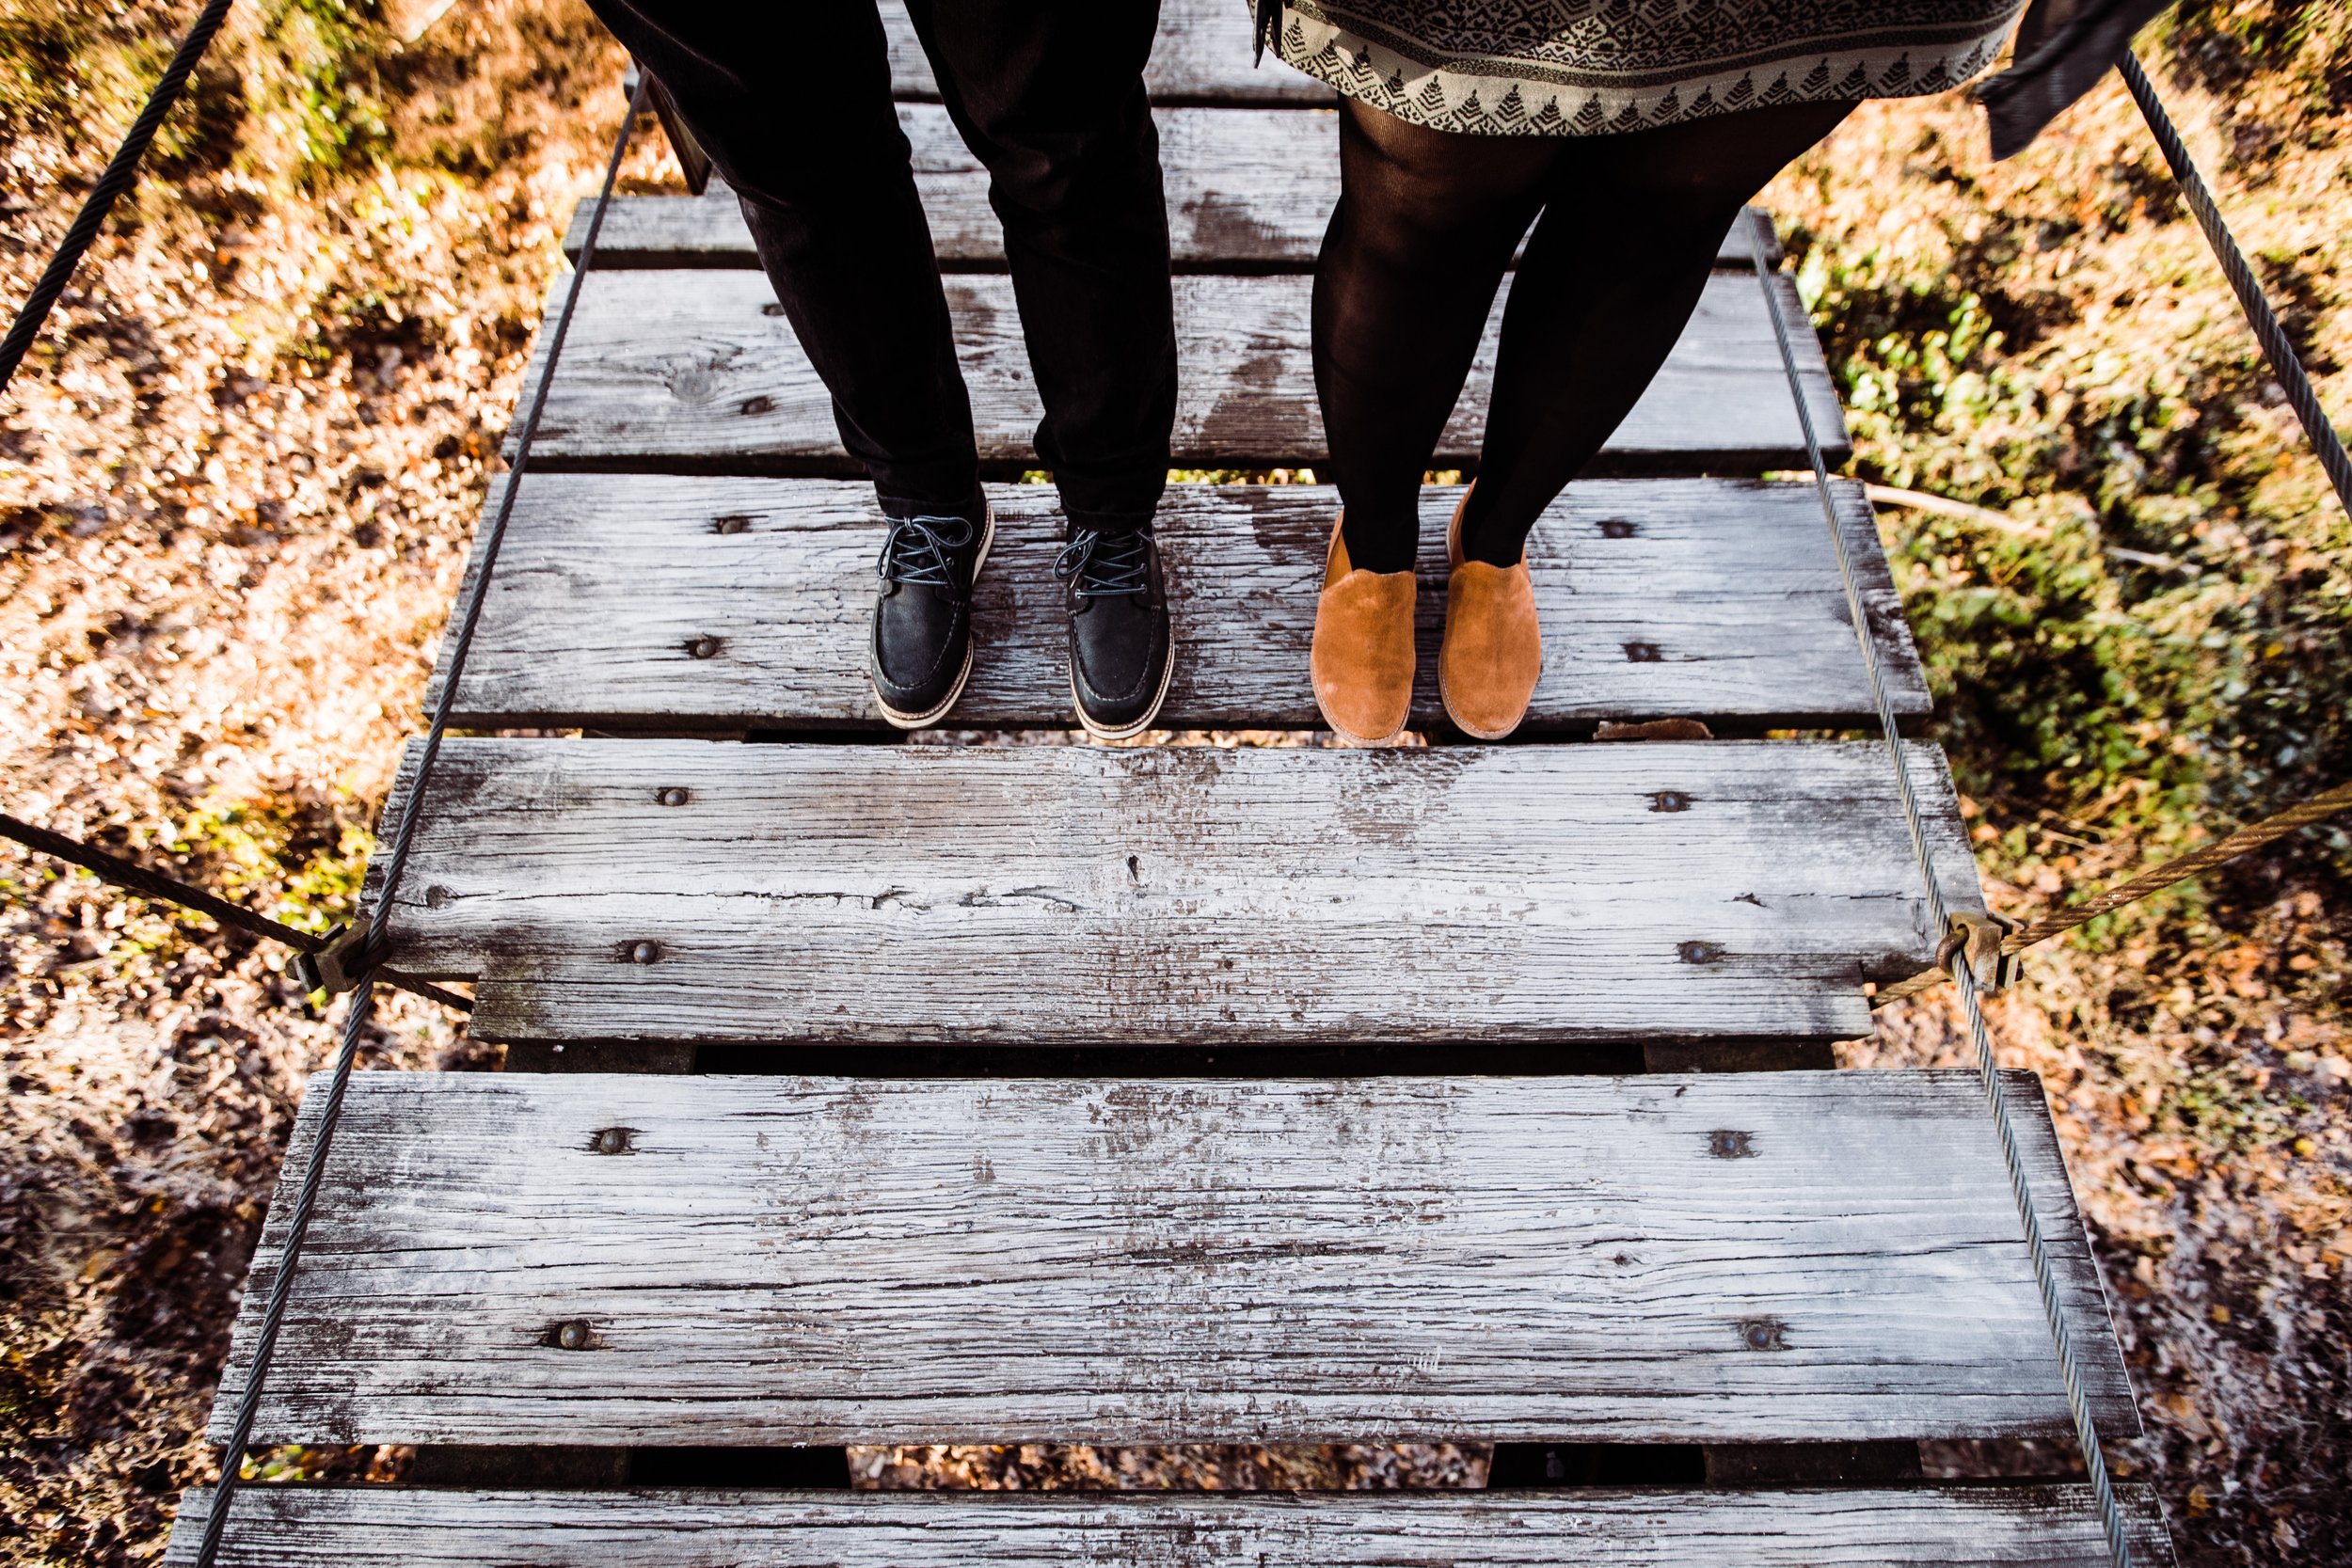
(1493, 651)
(1363, 657)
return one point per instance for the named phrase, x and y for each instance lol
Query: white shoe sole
(1128, 732)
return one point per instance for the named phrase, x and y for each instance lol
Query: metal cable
(363, 999)
(2319, 808)
(2288, 367)
(135, 877)
(1988, 1067)
(2284, 363)
(123, 171)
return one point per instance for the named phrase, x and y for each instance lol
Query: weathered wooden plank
(698, 370)
(777, 1261)
(1714, 599)
(2007, 1527)
(1202, 56)
(1170, 895)
(1249, 190)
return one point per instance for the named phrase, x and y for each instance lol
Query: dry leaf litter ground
(238, 479)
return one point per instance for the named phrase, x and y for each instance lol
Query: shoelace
(917, 552)
(1106, 565)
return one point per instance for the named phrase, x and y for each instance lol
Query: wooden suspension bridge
(918, 1093)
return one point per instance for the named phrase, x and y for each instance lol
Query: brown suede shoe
(1363, 657)
(1493, 650)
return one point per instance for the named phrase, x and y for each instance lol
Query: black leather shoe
(922, 652)
(1121, 655)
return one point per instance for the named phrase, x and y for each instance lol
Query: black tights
(1423, 235)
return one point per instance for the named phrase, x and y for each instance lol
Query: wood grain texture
(2006, 1527)
(1714, 599)
(1201, 57)
(1249, 190)
(1161, 895)
(698, 370)
(778, 1261)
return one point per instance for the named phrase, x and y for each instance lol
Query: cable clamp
(336, 965)
(1979, 939)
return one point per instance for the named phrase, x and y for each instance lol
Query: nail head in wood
(703, 647)
(1727, 1144)
(735, 522)
(646, 952)
(675, 795)
(571, 1335)
(1670, 800)
(1764, 1334)
(1700, 952)
(613, 1140)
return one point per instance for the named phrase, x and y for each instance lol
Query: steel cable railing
(362, 1006)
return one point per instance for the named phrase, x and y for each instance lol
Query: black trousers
(793, 103)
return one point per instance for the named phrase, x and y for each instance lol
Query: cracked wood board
(1711, 599)
(1225, 214)
(1721, 1259)
(1976, 1527)
(698, 370)
(1049, 896)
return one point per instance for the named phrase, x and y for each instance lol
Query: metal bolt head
(676, 795)
(572, 1335)
(703, 647)
(1727, 1143)
(612, 1140)
(1699, 952)
(646, 952)
(1670, 800)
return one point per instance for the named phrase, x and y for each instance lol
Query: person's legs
(1421, 237)
(814, 153)
(1049, 95)
(1630, 231)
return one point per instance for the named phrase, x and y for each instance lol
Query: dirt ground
(238, 479)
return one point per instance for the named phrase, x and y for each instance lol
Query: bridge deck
(1051, 1187)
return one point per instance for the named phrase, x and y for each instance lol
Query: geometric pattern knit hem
(1572, 68)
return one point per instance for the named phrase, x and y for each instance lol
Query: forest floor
(239, 476)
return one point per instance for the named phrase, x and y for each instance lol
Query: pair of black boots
(1120, 651)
